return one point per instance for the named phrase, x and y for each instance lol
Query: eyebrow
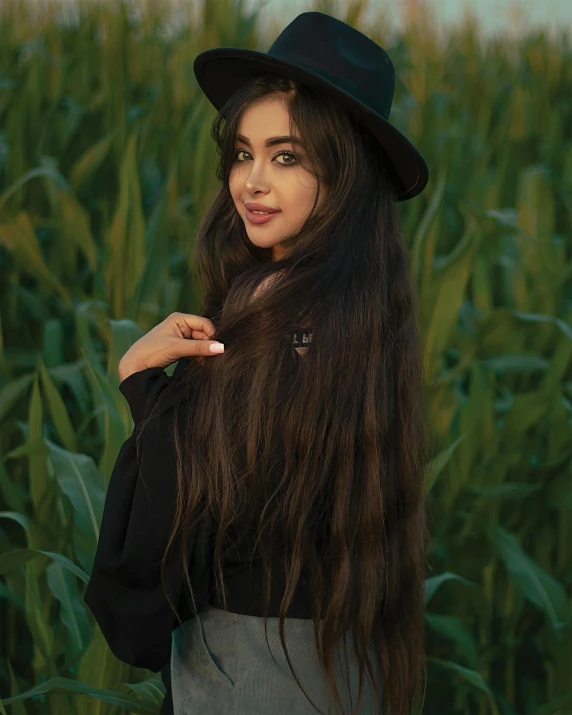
(271, 141)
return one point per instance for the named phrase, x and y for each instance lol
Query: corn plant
(106, 165)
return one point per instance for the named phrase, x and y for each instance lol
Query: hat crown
(339, 54)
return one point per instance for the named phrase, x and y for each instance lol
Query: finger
(187, 348)
(203, 347)
(186, 323)
(203, 325)
(200, 335)
(192, 348)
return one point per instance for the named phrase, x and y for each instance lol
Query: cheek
(305, 199)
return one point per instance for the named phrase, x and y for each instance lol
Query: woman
(290, 466)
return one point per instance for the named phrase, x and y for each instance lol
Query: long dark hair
(326, 450)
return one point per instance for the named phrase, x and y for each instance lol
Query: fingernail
(216, 348)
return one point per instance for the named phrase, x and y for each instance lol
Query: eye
(280, 153)
(289, 153)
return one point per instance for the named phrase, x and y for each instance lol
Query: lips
(261, 207)
(260, 218)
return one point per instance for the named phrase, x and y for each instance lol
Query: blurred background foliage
(106, 165)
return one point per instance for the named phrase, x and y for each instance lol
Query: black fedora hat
(331, 56)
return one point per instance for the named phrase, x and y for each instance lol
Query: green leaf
(79, 479)
(450, 278)
(471, 676)
(125, 240)
(529, 579)
(35, 607)
(123, 334)
(541, 318)
(151, 690)
(57, 409)
(419, 243)
(438, 463)
(75, 228)
(19, 708)
(561, 705)
(41, 172)
(11, 560)
(451, 627)
(72, 610)
(15, 516)
(520, 363)
(37, 466)
(85, 167)
(508, 490)
(102, 669)
(18, 237)
(527, 410)
(433, 582)
(130, 703)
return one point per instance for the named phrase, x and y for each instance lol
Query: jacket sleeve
(125, 592)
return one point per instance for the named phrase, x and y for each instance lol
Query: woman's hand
(179, 335)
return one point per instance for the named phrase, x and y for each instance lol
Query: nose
(256, 180)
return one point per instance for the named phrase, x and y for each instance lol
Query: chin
(261, 243)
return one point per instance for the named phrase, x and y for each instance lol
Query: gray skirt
(221, 665)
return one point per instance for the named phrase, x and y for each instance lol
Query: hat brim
(221, 71)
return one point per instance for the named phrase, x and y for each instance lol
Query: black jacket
(124, 592)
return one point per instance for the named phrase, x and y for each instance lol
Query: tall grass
(106, 165)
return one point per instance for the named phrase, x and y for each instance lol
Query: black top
(124, 592)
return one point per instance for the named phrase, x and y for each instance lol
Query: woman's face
(262, 174)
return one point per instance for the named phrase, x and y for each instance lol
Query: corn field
(106, 166)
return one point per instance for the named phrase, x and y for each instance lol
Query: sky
(495, 16)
